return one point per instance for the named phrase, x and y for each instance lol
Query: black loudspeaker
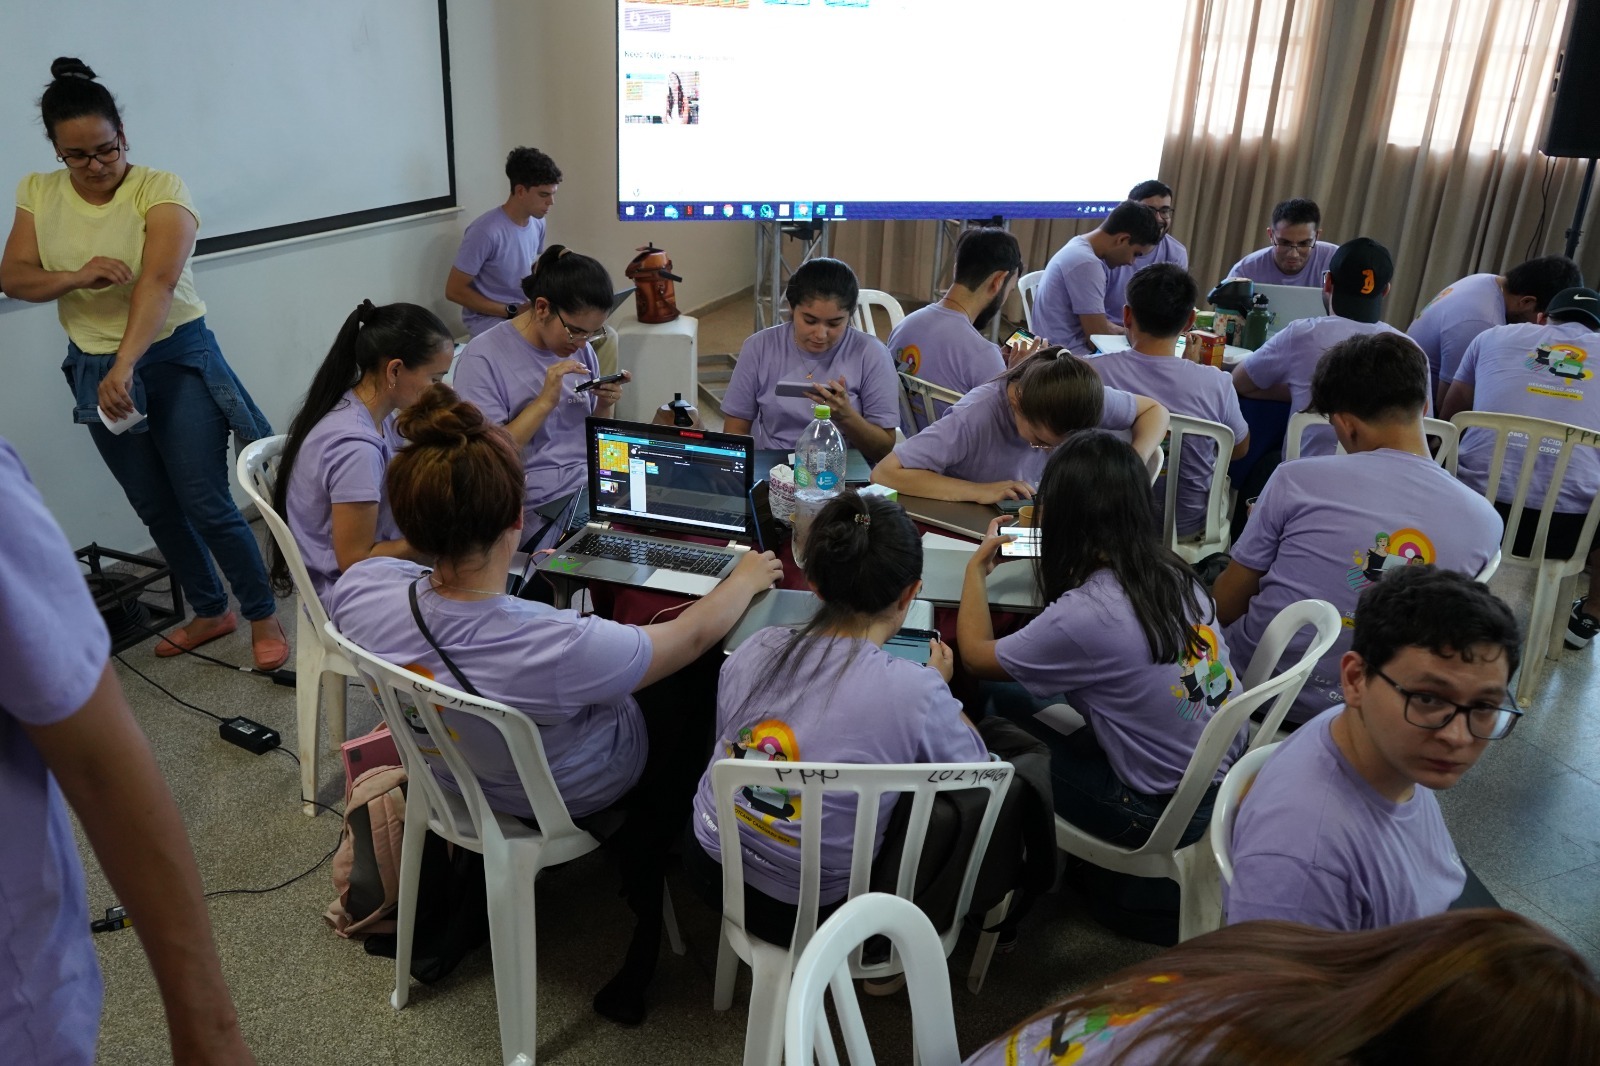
(1573, 130)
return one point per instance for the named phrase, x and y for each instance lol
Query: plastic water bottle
(819, 464)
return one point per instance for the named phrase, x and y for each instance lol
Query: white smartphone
(1026, 546)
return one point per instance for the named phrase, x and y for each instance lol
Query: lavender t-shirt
(1459, 313)
(939, 345)
(342, 460)
(1147, 716)
(826, 705)
(573, 675)
(1290, 358)
(1167, 250)
(1543, 371)
(1184, 388)
(1315, 843)
(53, 648)
(1074, 284)
(772, 356)
(498, 254)
(502, 373)
(1328, 527)
(1261, 268)
(977, 440)
(1082, 1039)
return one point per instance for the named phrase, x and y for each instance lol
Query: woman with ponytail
(330, 478)
(109, 242)
(622, 710)
(828, 692)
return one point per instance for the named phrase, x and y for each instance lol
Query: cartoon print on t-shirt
(1071, 1033)
(768, 741)
(1204, 680)
(1389, 551)
(908, 359)
(1565, 361)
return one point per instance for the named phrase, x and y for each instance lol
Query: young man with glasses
(500, 246)
(1341, 829)
(1157, 196)
(1295, 253)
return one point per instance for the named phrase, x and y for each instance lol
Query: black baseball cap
(1576, 303)
(1361, 271)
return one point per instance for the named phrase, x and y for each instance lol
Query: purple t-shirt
(1459, 313)
(1290, 358)
(342, 460)
(1074, 284)
(498, 254)
(978, 441)
(53, 648)
(1091, 1039)
(939, 345)
(772, 356)
(1147, 716)
(1315, 843)
(1328, 527)
(1184, 388)
(502, 373)
(573, 675)
(1543, 371)
(1167, 250)
(827, 705)
(1261, 268)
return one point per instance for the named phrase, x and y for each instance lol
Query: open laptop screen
(669, 478)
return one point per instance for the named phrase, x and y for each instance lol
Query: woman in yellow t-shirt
(109, 242)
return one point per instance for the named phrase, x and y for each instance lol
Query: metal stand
(119, 596)
(947, 232)
(773, 267)
(1577, 216)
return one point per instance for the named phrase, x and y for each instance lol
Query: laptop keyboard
(679, 557)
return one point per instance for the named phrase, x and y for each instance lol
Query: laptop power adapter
(251, 736)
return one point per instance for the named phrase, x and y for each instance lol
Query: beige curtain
(1414, 122)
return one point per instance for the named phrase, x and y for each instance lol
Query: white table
(661, 358)
(1113, 342)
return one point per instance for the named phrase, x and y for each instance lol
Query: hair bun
(71, 67)
(441, 419)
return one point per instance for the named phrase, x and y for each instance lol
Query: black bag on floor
(452, 912)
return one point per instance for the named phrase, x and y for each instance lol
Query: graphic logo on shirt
(1072, 1032)
(909, 359)
(1204, 680)
(1388, 551)
(1442, 294)
(1563, 361)
(761, 806)
(419, 732)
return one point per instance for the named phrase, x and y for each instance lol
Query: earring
(393, 383)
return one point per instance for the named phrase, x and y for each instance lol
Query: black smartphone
(1013, 506)
(585, 386)
(911, 644)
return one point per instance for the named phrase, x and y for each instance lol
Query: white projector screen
(805, 109)
(284, 118)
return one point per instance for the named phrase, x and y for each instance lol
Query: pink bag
(366, 868)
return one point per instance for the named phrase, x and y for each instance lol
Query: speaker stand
(1577, 216)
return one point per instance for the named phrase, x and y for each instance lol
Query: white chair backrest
(919, 397)
(1217, 497)
(1241, 775)
(1323, 617)
(810, 781)
(258, 474)
(1448, 435)
(1027, 286)
(825, 965)
(876, 298)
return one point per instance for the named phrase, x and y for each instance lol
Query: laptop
(663, 482)
(1290, 303)
(968, 519)
(857, 471)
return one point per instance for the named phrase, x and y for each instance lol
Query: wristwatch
(511, 310)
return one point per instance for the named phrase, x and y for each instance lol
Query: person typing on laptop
(1297, 255)
(615, 715)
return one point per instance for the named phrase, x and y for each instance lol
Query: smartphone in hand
(585, 386)
(1026, 544)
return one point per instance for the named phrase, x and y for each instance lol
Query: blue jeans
(176, 478)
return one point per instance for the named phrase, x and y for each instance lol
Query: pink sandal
(271, 652)
(179, 641)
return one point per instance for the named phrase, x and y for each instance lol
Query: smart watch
(511, 310)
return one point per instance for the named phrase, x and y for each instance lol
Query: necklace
(435, 584)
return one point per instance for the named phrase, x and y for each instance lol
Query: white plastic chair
(1449, 437)
(1241, 775)
(321, 670)
(513, 853)
(1557, 578)
(1027, 287)
(876, 298)
(771, 966)
(1200, 906)
(1218, 533)
(919, 395)
(825, 966)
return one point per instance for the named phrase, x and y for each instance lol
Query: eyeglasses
(579, 336)
(105, 157)
(1298, 246)
(1425, 710)
(1162, 212)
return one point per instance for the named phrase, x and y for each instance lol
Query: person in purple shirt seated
(1353, 291)
(330, 477)
(818, 694)
(1128, 637)
(1468, 986)
(943, 343)
(622, 727)
(1341, 828)
(1296, 255)
(846, 369)
(68, 737)
(1329, 527)
(1157, 196)
(1159, 309)
(1070, 305)
(1477, 302)
(501, 245)
(1540, 369)
(993, 445)
(525, 373)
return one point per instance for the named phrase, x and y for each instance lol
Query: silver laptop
(1290, 303)
(661, 482)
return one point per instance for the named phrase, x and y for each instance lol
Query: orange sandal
(271, 652)
(179, 641)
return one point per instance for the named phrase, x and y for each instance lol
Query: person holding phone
(1128, 636)
(524, 374)
(828, 692)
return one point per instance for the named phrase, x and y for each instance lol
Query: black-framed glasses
(105, 157)
(579, 336)
(1298, 246)
(1427, 710)
(1163, 212)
